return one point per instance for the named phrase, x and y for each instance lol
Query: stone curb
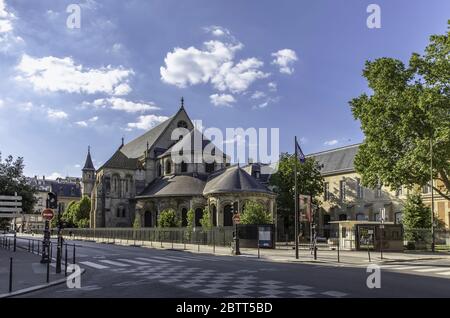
(38, 287)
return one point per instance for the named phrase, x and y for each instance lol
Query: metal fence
(421, 239)
(221, 236)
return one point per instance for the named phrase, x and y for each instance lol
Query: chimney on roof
(43, 177)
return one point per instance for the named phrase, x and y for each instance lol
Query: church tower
(88, 175)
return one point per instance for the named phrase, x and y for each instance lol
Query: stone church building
(142, 178)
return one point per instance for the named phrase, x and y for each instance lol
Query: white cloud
(8, 40)
(217, 31)
(54, 176)
(284, 59)
(56, 114)
(222, 99)
(85, 123)
(258, 94)
(331, 142)
(55, 74)
(122, 104)
(267, 102)
(272, 86)
(6, 18)
(1, 103)
(147, 121)
(214, 63)
(237, 78)
(77, 166)
(82, 123)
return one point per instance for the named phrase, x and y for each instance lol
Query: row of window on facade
(209, 167)
(122, 187)
(360, 189)
(363, 217)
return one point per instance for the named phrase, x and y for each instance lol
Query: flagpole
(296, 199)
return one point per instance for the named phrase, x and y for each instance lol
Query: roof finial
(182, 102)
(89, 149)
(122, 140)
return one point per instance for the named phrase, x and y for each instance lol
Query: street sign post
(48, 214)
(383, 217)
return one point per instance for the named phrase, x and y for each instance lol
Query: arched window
(168, 167)
(184, 217)
(123, 212)
(214, 215)
(183, 166)
(198, 216)
(227, 215)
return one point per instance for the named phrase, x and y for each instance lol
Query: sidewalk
(28, 272)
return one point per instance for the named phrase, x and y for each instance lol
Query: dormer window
(182, 124)
(183, 166)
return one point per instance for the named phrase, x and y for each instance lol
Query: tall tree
(409, 107)
(13, 180)
(255, 213)
(309, 182)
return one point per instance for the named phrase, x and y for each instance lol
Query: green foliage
(206, 220)
(415, 216)
(309, 181)
(168, 218)
(137, 221)
(409, 106)
(76, 213)
(13, 180)
(190, 216)
(255, 213)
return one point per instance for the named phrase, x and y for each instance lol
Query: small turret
(88, 175)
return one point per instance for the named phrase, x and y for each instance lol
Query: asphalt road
(127, 271)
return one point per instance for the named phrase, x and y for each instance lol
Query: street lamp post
(432, 195)
(236, 235)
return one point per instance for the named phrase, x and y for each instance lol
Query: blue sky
(292, 65)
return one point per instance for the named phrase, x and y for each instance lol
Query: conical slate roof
(88, 165)
(233, 179)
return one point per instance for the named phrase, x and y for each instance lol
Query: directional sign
(47, 214)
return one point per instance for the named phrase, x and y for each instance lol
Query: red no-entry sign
(47, 214)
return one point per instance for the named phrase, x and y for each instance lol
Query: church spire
(88, 165)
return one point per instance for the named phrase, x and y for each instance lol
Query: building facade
(345, 198)
(154, 172)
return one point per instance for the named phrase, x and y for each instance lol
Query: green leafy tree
(255, 213)
(13, 180)
(137, 221)
(309, 181)
(190, 217)
(408, 106)
(206, 220)
(81, 217)
(415, 216)
(168, 218)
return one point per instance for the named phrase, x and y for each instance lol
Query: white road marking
(94, 265)
(151, 260)
(167, 258)
(107, 261)
(444, 273)
(425, 270)
(132, 261)
(407, 267)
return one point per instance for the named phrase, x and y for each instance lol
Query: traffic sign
(48, 214)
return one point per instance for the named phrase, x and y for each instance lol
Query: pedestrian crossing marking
(167, 258)
(107, 261)
(407, 267)
(426, 270)
(151, 260)
(444, 273)
(94, 265)
(132, 261)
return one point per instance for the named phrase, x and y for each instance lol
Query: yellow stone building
(345, 198)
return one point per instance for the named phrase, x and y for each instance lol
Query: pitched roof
(66, 189)
(336, 160)
(176, 185)
(136, 147)
(88, 165)
(233, 179)
(188, 142)
(121, 161)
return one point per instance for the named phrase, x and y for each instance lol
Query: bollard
(29, 246)
(65, 262)
(258, 250)
(73, 258)
(48, 272)
(214, 243)
(315, 252)
(10, 273)
(15, 242)
(339, 260)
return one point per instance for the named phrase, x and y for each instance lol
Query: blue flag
(299, 153)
